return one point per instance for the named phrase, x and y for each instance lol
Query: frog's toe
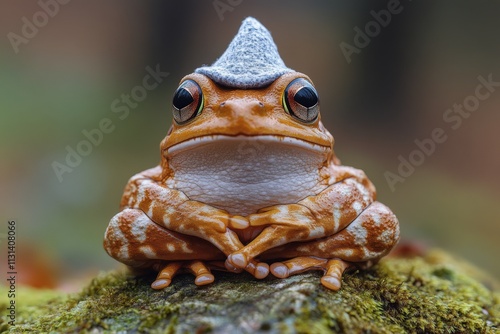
(204, 279)
(261, 270)
(331, 282)
(164, 277)
(202, 273)
(297, 265)
(333, 276)
(280, 270)
(162, 283)
(237, 260)
(258, 269)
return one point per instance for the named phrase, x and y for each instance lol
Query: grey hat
(250, 61)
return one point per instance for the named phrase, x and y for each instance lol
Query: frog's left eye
(187, 101)
(301, 100)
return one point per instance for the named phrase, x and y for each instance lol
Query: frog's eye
(187, 101)
(301, 100)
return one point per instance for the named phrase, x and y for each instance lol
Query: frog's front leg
(312, 218)
(173, 210)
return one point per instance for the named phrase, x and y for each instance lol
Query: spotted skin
(150, 209)
(336, 223)
(153, 230)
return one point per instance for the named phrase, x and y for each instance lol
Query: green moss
(30, 303)
(431, 294)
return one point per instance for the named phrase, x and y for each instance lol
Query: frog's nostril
(242, 108)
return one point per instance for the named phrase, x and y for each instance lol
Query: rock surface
(433, 293)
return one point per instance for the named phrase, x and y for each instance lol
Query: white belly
(243, 174)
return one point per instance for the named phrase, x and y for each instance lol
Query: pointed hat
(250, 61)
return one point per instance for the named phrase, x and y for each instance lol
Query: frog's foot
(258, 269)
(333, 269)
(197, 268)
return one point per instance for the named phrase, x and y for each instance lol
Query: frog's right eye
(301, 100)
(187, 102)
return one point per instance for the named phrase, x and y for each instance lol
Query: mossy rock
(429, 294)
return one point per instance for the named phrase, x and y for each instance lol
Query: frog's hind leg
(333, 269)
(134, 239)
(369, 237)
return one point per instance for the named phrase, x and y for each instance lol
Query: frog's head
(249, 98)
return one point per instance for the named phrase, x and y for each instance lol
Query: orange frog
(248, 180)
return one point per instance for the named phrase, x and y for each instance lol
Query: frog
(248, 181)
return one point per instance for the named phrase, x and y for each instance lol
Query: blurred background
(379, 94)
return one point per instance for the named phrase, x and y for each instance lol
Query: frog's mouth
(242, 174)
(247, 143)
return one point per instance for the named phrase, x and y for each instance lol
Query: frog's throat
(248, 143)
(250, 61)
(242, 174)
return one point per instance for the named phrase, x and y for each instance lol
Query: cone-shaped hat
(250, 61)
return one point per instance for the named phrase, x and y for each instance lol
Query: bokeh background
(64, 79)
